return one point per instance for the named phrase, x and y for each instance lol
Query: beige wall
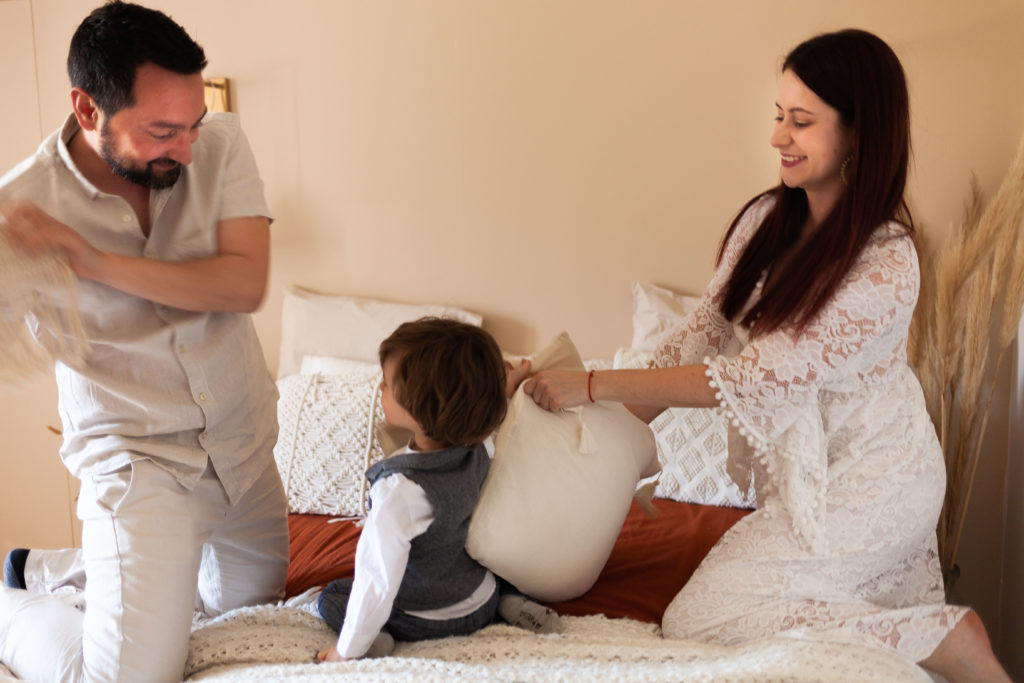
(526, 160)
(34, 487)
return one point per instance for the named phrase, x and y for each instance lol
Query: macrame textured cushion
(43, 289)
(328, 438)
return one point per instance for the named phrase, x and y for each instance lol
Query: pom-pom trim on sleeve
(759, 445)
(786, 468)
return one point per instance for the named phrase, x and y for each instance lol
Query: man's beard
(146, 176)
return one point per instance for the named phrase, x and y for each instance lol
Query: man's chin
(155, 180)
(150, 178)
(161, 181)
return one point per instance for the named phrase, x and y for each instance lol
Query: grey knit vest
(440, 571)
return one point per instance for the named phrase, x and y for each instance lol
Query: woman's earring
(842, 169)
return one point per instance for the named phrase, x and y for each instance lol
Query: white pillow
(692, 449)
(331, 431)
(329, 365)
(345, 326)
(657, 311)
(559, 489)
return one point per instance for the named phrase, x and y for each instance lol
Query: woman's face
(811, 139)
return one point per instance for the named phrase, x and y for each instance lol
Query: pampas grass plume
(952, 344)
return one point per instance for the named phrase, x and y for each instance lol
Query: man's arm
(235, 279)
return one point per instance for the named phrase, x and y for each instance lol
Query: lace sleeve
(770, 389)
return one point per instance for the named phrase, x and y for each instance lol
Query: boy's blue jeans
(334, 601)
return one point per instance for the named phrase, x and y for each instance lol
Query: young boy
(446, 382)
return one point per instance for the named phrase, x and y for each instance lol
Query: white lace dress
(847, 469)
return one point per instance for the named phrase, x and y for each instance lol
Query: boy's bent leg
(245, 561)
(141, 547)
(333, 603)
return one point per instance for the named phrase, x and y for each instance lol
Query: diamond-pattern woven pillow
(328, 438)
(692, 449)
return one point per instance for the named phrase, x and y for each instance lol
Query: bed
(611, 632)
(626, 557)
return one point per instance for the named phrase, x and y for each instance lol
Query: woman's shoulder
(889, 254)
(751, 216)
(758, 207)
(892, 236)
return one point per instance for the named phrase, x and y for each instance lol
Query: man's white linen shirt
(179, 387)
(400, 512)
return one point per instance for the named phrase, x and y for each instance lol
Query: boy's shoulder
(441, 460)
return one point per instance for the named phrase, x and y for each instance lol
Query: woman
(801, 338)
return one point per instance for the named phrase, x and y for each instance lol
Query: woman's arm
(645, 392)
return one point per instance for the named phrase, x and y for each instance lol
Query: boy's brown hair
(450, 376)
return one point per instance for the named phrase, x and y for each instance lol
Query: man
(171, 421)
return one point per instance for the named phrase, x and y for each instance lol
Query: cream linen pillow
(345, 326)
(559, 489)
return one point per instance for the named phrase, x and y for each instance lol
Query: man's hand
(27, 227)
(234, 279)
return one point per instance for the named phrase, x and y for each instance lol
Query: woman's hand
(515, 376)
(28, 227)
(557, 389)
(330, 654)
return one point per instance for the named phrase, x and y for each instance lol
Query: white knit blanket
(278, 643)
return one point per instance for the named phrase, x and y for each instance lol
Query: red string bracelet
(590, 377)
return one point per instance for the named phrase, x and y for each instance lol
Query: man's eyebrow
(178, 126)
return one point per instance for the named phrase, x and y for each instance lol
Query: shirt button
(127, 218)
(181, 348)
(202, 397)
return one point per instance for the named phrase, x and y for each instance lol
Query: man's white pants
(152, 552)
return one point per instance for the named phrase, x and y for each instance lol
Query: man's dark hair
(450, 376)
(115, 40)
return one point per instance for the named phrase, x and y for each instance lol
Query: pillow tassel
(586, 438)
(644, 496)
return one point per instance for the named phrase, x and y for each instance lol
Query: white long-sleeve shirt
(400, 513)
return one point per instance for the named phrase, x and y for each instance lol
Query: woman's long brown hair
(858, 75)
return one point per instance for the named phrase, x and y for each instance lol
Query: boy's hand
(515, 376)
(330, 654)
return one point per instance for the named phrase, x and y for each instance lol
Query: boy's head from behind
(449, 377)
